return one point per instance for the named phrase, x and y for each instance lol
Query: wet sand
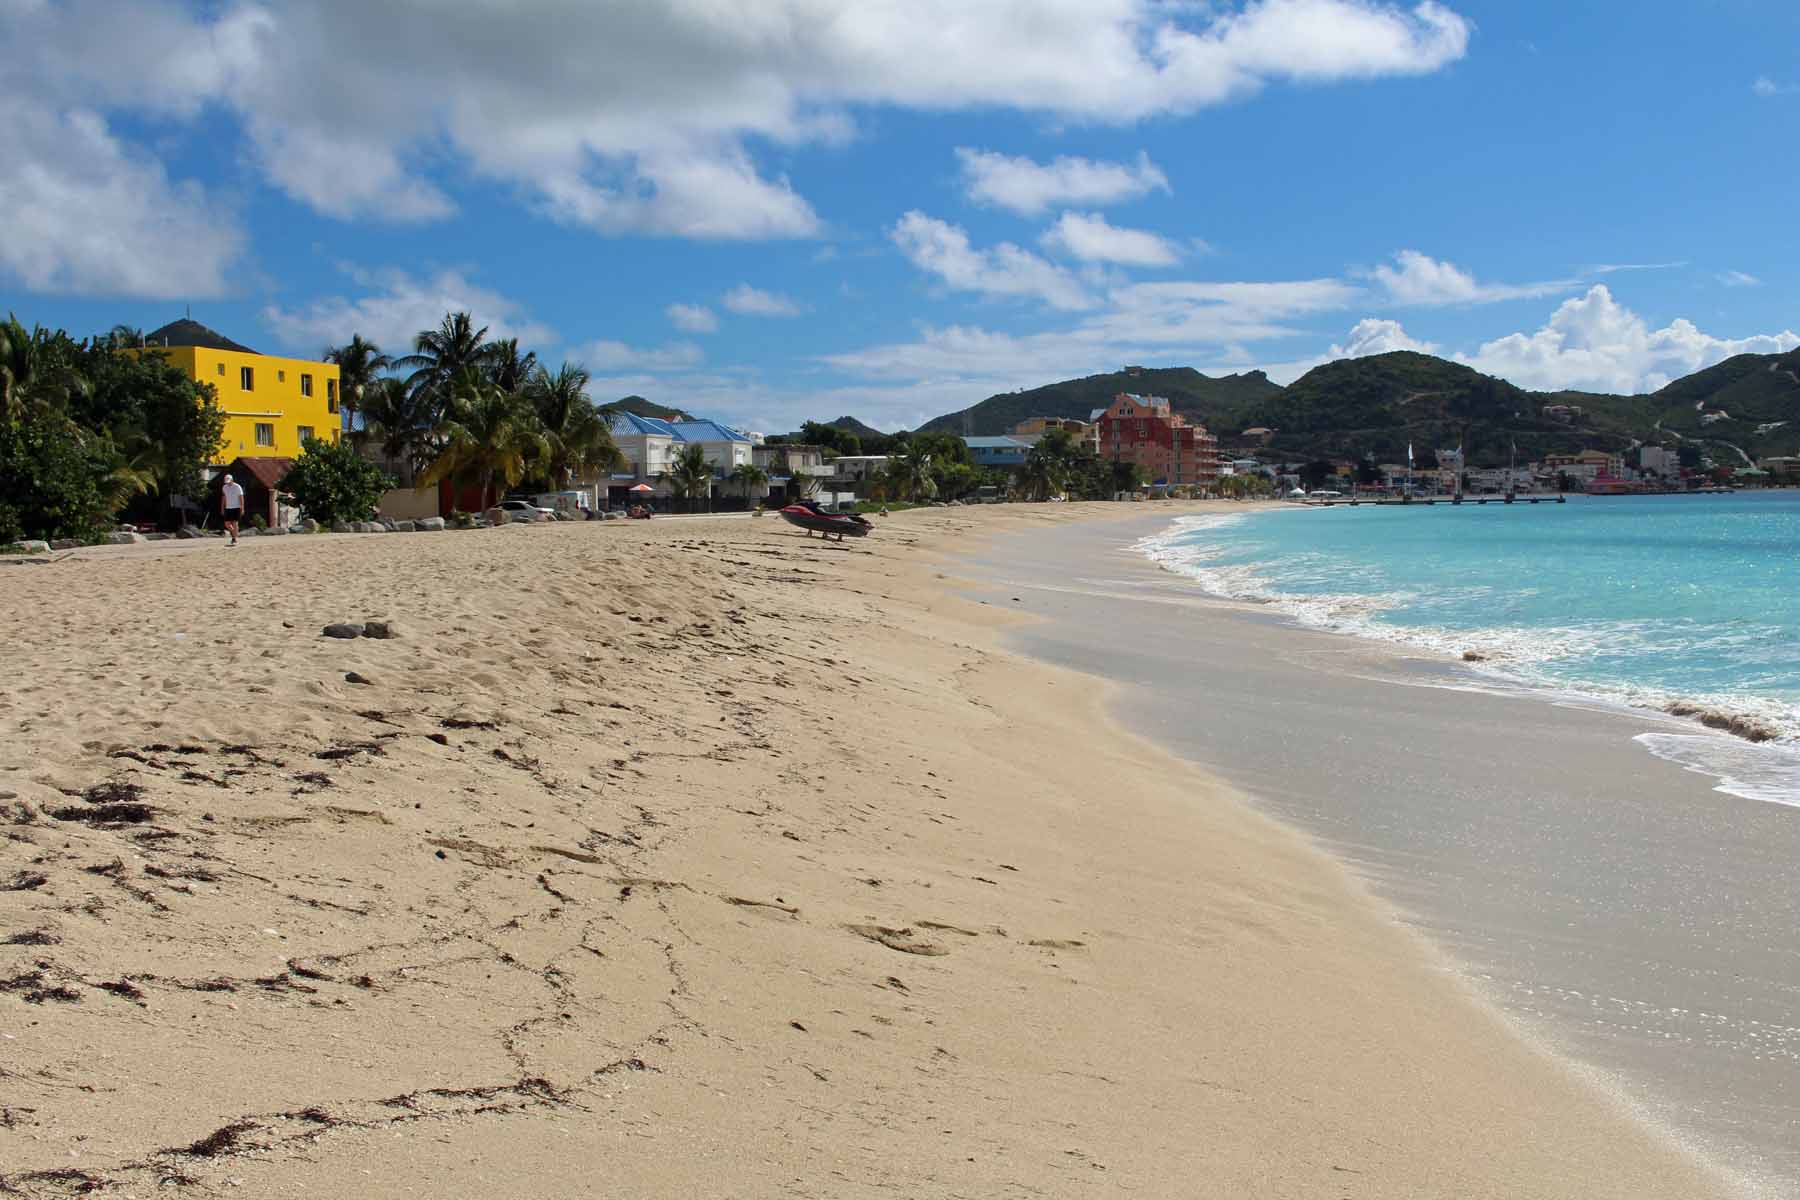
(689, 858)
(1612, 902)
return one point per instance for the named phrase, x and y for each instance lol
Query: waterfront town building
(271, 404)
(1148, 431)
(1586, 466)
(1032, 430)
(998, 451)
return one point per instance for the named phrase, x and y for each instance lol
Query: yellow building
(271, 404)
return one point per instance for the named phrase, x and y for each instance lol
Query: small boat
(814, 517)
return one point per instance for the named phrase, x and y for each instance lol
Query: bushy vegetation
(331, 482)
(91, 429)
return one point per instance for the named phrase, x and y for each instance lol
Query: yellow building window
(265, 434)
(281, 377)
(221, 368)
(247, 378)
(306, 385)
(331, 395)
(305, 431)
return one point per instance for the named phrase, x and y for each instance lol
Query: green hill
(1377, 405)
(850, 424)
(637, 406)
(1197, 396)
(1753, 390)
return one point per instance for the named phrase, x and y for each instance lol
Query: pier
(1412, 501)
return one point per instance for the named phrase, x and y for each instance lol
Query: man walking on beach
(231, 505)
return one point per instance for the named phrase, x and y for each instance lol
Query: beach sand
(688, 858)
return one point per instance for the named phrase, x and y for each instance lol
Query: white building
(857, 467)
(1662, 461)
(650, 446)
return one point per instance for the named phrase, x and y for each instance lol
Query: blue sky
(778, 209)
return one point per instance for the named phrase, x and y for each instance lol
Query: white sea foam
(1769, 772)
(1513, 656)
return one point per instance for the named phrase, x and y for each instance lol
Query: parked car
(526, 508)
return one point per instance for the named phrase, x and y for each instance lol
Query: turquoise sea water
(1643, 600)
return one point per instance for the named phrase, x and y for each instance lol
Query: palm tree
(400, 421)
(909, 474)
(359, 365)
(441, 355)
(121, 336)
(510, 370)
(1039, 478)
(690, 475)
(747, 476)
(800, 484)
(488, 434)
(579, 438)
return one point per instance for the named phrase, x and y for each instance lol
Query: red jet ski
(813, 517)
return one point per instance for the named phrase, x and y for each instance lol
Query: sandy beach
(690, 858)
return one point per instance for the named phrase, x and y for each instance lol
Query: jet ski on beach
(814, 517)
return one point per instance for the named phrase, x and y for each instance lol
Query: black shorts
(234, 514)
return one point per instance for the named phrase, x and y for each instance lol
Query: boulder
(343, 629)
(276, 531)
(248, 531)
(309, 526)
(403, 527)
(371, 527)
(188, 533)
(63, 543)
(382, 630)
(390, 526)
(124, 537)
(30, 547)
(158, 536)
(342, 527)
(431, 525)
(496, 516)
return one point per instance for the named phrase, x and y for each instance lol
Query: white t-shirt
(234, 495)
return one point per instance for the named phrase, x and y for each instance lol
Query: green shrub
(258, 522)
(331, 482)
(52, 482)
(460, 519)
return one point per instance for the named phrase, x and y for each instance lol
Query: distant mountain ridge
(637, 406)
(1379, 405)
(1189, 391)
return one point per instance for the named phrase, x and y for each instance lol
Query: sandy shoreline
(687, 859)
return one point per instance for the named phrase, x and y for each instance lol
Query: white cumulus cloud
(1091, 238)
(1594, 343)
(1418, 279)
(653, 116)
(395, 305)
(1030, 188)
(1375, 336)
(87, 215)
(693, 318)
(944, 250)
(604, 355)
(754, 302)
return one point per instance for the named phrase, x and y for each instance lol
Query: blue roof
(995, 443)
(626, 424)
(705, 431)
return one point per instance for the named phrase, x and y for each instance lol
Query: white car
(527, 510)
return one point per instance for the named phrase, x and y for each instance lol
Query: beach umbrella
(642, 487)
